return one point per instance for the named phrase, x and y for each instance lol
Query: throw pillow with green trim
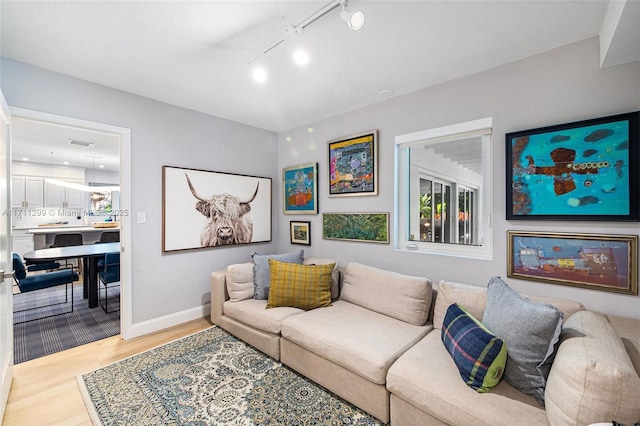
(479, 355)
(299, 286)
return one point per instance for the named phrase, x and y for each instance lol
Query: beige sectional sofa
(378, 347)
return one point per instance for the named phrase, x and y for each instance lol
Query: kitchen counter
(68, 229)
(43, 236)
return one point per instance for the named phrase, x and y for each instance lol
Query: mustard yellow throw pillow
(299, 286)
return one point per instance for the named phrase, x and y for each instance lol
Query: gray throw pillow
(531, 332)
(261, 275)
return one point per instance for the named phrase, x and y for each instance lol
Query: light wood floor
(44, 390)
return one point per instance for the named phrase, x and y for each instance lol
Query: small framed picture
(300, 233)
(300, 189)
(353, 165)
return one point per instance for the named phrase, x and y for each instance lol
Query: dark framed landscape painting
(300, 189)
(367, 227)
(300, 232)
(597, 262)
(353, 165)
(586, 170)
(202, 209)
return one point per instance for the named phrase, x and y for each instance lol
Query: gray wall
(160, 134)
(555, 87)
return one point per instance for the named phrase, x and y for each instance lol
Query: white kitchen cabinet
(27, 191)
(56, 196)
(22, 242)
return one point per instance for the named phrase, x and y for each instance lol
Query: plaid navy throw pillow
(479, 355)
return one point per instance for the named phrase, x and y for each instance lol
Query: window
(443, 190)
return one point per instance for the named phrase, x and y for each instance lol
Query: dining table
(90, 253)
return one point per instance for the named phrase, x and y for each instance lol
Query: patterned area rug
(46, 336)
(210, 378)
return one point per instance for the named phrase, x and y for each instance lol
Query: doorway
(85, 154)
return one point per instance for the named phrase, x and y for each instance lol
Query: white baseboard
(156, 324)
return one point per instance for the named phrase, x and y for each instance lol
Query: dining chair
(68, 240)
(109, 273)
(30, 283)
(110, 237)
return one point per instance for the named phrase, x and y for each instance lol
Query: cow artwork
(228, 219)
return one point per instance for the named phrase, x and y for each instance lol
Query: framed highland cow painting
(203, 209)
(586, 170)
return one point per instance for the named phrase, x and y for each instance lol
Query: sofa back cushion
(403, 297)
(240, 281)
(474, 300)
(335, 274)
(592, 378)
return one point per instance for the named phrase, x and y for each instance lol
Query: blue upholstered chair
(31, 283)
(109, 272)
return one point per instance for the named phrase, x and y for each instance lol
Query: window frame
(403, 190)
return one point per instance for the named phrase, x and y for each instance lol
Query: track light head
(354, 20)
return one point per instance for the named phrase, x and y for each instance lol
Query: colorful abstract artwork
(353, 165)
(578, 171)
(599, 262)
(300, 189)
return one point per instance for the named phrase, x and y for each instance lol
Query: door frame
(6, 363)
(126, 311)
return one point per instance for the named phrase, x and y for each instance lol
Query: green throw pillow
(479, 355)
(299, 286)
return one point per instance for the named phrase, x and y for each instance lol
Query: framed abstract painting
(598, 262)
(300, 189)
(353, 165)
(586, 170)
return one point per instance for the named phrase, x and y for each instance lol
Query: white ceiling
(195, 54)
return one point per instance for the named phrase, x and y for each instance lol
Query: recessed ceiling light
(85, 144)
(25, 159)
(66, 163)
(385, 93)
(101, 166)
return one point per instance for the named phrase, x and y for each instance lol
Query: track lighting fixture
(354, 20)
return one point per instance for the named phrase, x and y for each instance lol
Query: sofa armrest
(219, 294)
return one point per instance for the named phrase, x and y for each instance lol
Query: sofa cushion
(299, 286)
(593, 378)
(353, 337)
(252, 312)
(426, 377)
(335, 274)
(261, 270)
(479, 355)
(474, 300)
(531, 331)
(239, 281)
(470, 297)
(403, 297)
